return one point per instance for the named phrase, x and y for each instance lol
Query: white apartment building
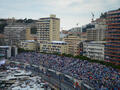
(94, 49)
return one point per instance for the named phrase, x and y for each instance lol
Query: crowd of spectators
(96, 75)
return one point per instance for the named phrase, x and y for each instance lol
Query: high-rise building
(14, 34)
(48, 29)
(97, 33)
(112, 47)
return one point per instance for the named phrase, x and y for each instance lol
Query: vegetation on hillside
(2, 26)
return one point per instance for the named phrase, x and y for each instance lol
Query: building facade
(73, 44)
(112, 47)
(63, 34)
(83, 36)
(14, 34)
(93, 49)
(28, 45)
(5, 51)
(48, 29)
(8, 51)
(98, 32)
(54, 47)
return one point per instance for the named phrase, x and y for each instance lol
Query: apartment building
(112, 47)
(16, 33)
(54, 47)
(93, 49)
(28, 45)
(48, 29)
(97, 33)
(73, 44)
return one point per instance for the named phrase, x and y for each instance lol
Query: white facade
(8, 51)
(94, 50)
(5, 51)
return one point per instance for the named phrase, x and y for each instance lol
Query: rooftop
(29, 41)
(60, 42)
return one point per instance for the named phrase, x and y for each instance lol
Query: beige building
(95, 34)
(83, 36)
(14, 34)
(48, 29)
(73, 44)
(28, 45)
(54, 47)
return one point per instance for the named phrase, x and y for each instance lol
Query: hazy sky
(70, 12)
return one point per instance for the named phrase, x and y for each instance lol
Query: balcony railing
(113, 55)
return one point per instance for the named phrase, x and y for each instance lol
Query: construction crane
(92, 16)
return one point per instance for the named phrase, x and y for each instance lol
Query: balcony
(113, 23)
(113, 27)
(108, 20)
(113, 55)
(113, 48)
(114, 12)
(112, 44)
(113, 38)
(113, 34)
(113, 16)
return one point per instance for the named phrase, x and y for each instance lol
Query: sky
(70, 12)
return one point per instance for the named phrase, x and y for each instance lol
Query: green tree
(2, 26)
